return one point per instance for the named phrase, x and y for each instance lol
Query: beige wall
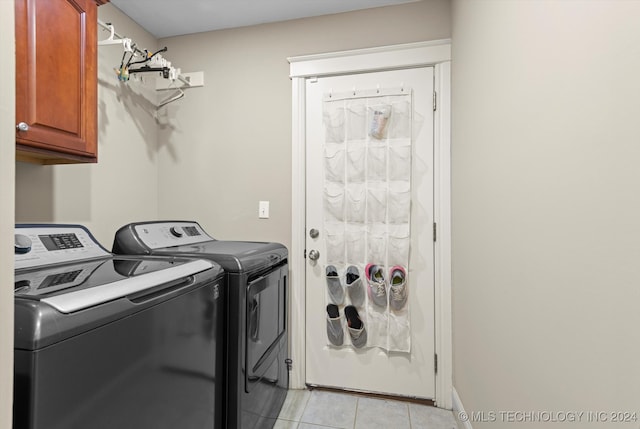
(227, 145)
(7, 157)
(546, 203)
(122, 186)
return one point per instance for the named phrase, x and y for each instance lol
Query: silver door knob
(23, 126)
(314, 255)
(314, 233)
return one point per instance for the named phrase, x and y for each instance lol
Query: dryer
(113, 342)
(256, 334)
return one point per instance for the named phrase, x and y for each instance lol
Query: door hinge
(289, 363)
(435, 101)
(305, 254)
(435, 363)
(434, 231)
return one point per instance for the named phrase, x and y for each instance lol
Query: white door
(366, 368)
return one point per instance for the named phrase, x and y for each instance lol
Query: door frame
(433, 53)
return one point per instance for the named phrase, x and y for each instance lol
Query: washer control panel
(38, 245)
(158, 235)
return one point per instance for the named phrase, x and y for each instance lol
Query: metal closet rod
(109, 27)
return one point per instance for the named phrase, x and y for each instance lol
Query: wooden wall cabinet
(56, 81)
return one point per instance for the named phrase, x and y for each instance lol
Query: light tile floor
(317, 409)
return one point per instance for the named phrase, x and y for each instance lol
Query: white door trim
(434, 53)
(442, 248)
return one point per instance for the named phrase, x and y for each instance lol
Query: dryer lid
(188, 239)
(233, 256)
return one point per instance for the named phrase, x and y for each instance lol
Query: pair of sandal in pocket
(355, 326)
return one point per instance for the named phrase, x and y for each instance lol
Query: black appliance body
(256, 334)
(113, 342)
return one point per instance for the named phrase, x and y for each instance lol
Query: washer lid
(54, 303)
(70, 288)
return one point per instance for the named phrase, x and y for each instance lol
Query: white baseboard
(458, 410)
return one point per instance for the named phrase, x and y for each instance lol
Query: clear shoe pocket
(376, 163)
(399, 202)
(400, 162)
(399, 246)
(356, 121)
(333, 203)
(356, 203)
(355, 163)
(376, 245)
(334, 122)
(334, 243)
(355, 239)
(334, 163)
(376, 204)
(400, 125)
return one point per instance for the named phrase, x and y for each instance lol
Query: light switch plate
(263, 210)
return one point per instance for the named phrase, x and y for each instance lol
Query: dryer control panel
(39, 245)
(158, 235)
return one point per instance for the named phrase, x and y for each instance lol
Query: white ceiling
(165, 18)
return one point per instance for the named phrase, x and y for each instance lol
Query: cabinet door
(56, 79)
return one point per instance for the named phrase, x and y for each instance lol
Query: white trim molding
(297, 280)
(442, 248)
(458, 410)
(371, 59)
(433, 53)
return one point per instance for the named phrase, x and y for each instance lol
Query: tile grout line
(355, 418)
(304, 408)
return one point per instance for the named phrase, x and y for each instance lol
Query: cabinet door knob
(22, 126)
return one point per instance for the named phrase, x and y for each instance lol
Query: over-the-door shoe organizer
(367, 207)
